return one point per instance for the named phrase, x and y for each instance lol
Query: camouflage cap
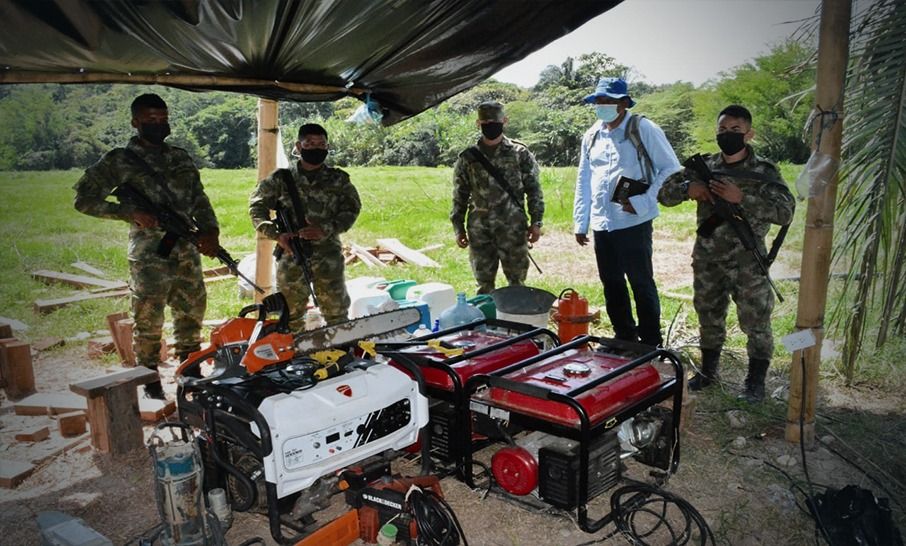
(490, 110)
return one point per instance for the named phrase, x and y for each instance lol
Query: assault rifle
(301, 249)
(175, 227)
(732, 214)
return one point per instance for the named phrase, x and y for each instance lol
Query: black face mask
(731, 143)
(155, 133)
(492, 130)
(313, 156)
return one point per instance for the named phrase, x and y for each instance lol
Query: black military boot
(155, 390)
(758, 369)
(708, 374)
(183, 354)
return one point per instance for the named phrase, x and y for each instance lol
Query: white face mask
(606, 112)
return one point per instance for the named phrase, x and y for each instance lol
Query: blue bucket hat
(614, 88)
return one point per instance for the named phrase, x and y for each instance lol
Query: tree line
(63, 127)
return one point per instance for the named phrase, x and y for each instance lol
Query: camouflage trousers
(330, 285)
(157, 282)
(714, 284)
(490, 244)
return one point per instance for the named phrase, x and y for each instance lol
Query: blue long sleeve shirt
(606, 156)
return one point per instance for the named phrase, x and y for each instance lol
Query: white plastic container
(362, 283)
(367, 301)
(439, 296)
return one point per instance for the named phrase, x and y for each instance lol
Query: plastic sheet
(409, 54)
(815, 176)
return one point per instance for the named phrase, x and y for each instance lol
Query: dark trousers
(626, 254)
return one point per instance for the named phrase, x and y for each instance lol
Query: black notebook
(626, 188)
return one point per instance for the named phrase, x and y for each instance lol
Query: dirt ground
(739, 490)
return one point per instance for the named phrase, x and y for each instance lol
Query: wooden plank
(123, 337)
(6, 331)
(363, 254)
(77, 281)
(12, 473)
(46, 306)
(96, 386)
(44, 403)
(407, 254)
(218, 278)
(216, 271)
(45, 451)
(17, 325)
(34, 435)
(72, 424)
(49, 343)
(153, 410)
(120, 344)
(90, 269)
(17, 370)
(429, 248)
(100, 346)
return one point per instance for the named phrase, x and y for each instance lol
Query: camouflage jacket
(184, 193)
(328, 197)
(477, 192)
(766, 200)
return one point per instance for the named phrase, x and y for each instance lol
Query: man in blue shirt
(634, 153)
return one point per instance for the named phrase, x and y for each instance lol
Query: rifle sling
(293, 191)
(496, 175)
(143, 165)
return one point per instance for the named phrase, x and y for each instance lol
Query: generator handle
(574, 344)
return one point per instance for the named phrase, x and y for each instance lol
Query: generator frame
(219, 408)
(458, 397)
(587, 430)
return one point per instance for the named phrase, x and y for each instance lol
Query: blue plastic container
(461, 313)
(423, 310)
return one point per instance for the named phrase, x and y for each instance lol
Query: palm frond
(871, 192)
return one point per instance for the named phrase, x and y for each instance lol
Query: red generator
(448, 359)
(578, 411)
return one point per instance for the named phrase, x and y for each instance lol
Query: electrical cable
(436, 522)
(811, 500)
(653, 504)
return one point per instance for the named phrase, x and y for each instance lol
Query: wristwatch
(539, 223)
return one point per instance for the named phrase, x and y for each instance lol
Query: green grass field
(43, 231)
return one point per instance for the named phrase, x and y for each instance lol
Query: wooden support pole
(833, 51)
(27, 76)
(267, 163)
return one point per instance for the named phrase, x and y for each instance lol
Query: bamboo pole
(267, 163)
(27, 76)
(833, 52)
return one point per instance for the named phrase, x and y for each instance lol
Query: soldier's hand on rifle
(284, 239)
(582, 239)
(728, 191)
(209, 243)
(699, 191)
(462, 240)
(312, 232)
(144, 220)
(534, 233)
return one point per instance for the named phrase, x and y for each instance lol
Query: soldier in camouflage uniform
(331, 205)
(722, 268)
(174, 280)
(497, 229)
